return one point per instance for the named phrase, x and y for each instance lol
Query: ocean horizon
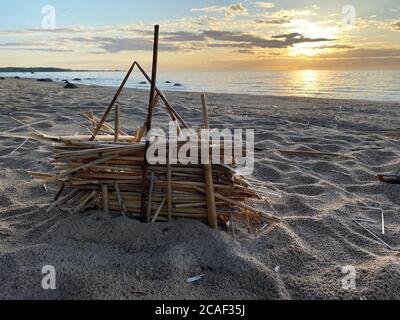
(375, 85)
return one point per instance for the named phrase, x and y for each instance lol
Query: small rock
(69, 85)
(17, 77)
(169, 82)
(2, 78)
(77, 79)
(44, 80)
(143, 82)
(178, 85)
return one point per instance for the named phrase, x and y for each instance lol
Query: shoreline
(285, 97)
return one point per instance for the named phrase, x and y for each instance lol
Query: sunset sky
(203, 35)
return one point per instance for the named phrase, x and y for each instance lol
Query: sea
(376, 85)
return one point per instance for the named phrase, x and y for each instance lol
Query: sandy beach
(109, 257)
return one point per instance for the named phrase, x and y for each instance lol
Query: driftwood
(392, 179)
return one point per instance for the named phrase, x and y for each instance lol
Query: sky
(204, 35)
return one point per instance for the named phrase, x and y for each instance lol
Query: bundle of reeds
(109, 170)
(109, 176)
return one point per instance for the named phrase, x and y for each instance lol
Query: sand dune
(104, 257)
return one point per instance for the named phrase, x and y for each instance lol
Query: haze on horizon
(203, 35)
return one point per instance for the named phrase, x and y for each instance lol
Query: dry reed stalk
(244, 206)
(114, 100)
(60, 191)
(317, 153)
(212, 210)
(84, 202)
(106, 207)
(159, 210)
(120, 200)
(169, 189)
(150, 197)
(116, 126)
(63, 200)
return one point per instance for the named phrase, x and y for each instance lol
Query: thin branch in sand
(318, 154)
(27, 125)
(20, 146)
(374, 235)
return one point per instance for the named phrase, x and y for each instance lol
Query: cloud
(264, 5)
(245, 51)
(336, 46)
(76, 29)
(211, 9)
(367, 53)
(281, 17)
(230, 11)
(249, 40)
(175, 36)
(116, 45)
(273, 21)
(396, 25)
(31, 46)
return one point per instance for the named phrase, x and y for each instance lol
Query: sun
(304, 49)
(312, 30)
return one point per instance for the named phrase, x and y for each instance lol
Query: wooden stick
(107, 128)
(60, 191)
(233, 228)
(244, 206)
(116, 129)
(120, 200)
(63, 200)
(212, 210)
(27, 125)
(114, 100)
(374, 235)
(393, 179)
(106, 207)
(169, 190)
(164, 99)
(84, 201)
(91, 113)
(150, 201)
(138, 135)
(159, 210)
(85, 166)
(149, 119)
(317, 153)
(20, 146)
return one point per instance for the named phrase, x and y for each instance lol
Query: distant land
(47, 69)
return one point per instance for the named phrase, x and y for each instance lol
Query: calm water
(368, 85)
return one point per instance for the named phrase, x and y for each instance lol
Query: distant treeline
(13, 69)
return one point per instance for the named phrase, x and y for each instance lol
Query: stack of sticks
(107, 174)
(109, 170)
